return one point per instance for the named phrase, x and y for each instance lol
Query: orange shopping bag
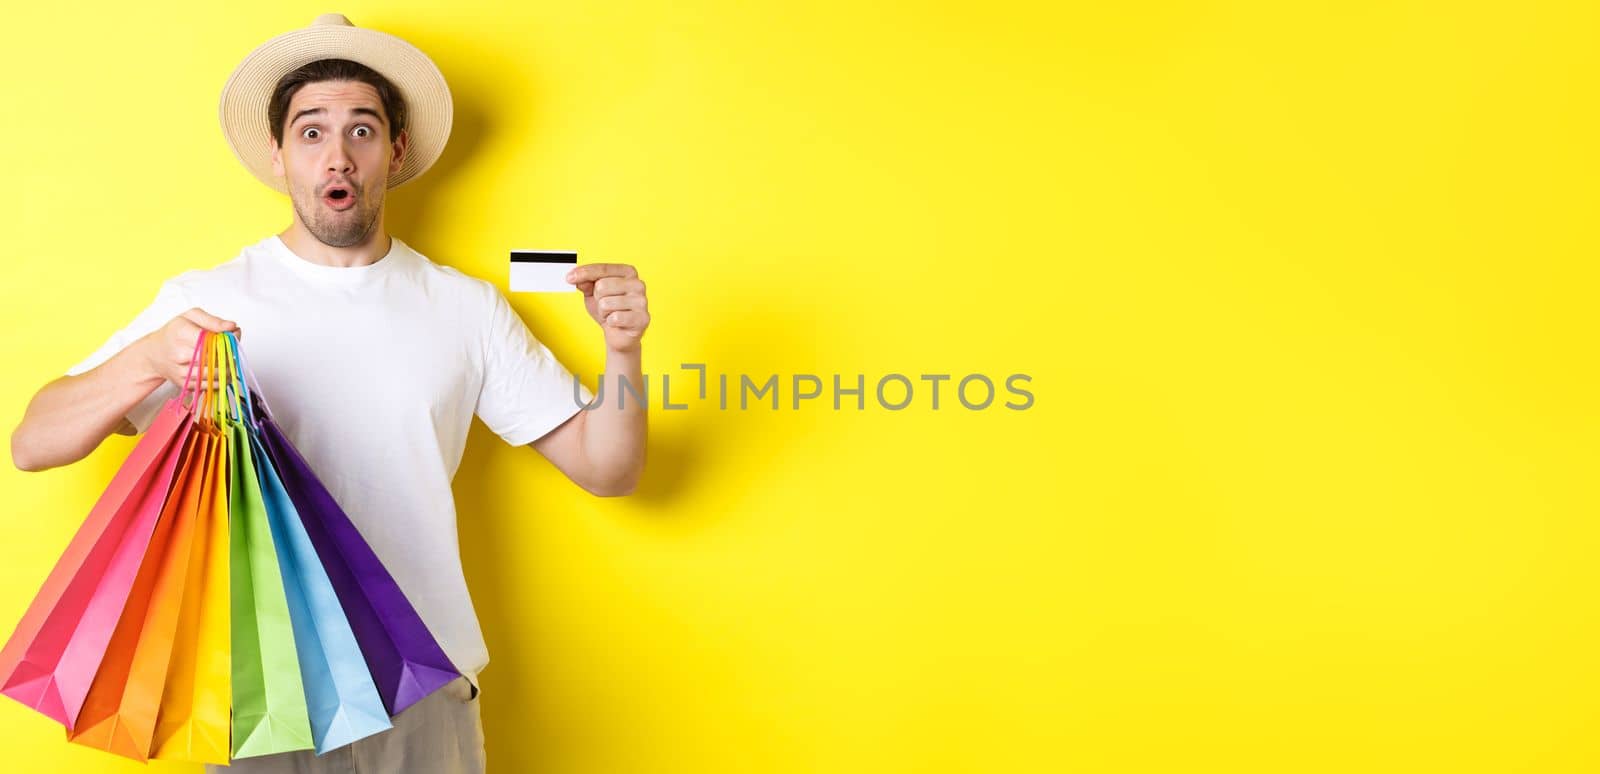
(119, 714)
(193, 723)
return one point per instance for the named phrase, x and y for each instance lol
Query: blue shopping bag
(341, 697)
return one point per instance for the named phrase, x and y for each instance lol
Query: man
(371, 357)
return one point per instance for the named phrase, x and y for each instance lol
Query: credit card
(542, 271)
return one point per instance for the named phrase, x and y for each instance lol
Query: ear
(277, 159)
(400, 145)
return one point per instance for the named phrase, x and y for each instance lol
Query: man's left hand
(614, 296)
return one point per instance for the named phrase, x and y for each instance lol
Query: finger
(190, 334)
(209, 321)
(593, 271)
(185, 341)
(207, 378)
(626, 320)
(200, 378)
(611, 286)
(587, 288)
(619, 303)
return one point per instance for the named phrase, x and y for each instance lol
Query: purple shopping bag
(405, 660)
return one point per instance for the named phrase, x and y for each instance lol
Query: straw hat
(245, 96)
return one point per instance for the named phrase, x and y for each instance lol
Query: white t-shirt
(374, 372)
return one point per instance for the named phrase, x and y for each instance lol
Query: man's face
(336, 159)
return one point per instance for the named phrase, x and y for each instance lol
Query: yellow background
(1306, 291)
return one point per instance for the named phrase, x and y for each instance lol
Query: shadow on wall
(406, 208)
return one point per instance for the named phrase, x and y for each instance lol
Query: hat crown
(246, 95)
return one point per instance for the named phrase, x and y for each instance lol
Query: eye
(363, 131)
(310, 133)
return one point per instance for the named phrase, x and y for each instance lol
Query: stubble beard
(339, 229)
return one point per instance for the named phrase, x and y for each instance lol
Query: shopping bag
(404, 659)
(193, 723)
(119, 713)
(269, 701)
(50, 659)
(340, 696)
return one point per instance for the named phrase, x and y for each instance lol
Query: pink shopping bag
(51, 658)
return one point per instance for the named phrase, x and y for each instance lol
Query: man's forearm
(71, 415)
(614, 431)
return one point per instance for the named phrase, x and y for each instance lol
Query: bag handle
(236, 385)
(206, 411)
(246, 377)
(194, 359)
(212, 407)
(224, 381)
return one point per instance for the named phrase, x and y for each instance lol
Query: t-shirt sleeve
(170, 301)
(526, 391)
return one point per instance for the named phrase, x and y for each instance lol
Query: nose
(339, 161)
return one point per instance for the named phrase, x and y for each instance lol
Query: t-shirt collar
(340, 274)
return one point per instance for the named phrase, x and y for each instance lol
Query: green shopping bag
(269, 701)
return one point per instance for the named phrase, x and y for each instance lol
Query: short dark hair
(335, 70)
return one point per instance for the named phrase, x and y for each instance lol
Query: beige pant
(442, 734)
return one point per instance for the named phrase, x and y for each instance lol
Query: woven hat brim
(243, 109)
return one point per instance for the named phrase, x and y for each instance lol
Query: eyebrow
(357, 111)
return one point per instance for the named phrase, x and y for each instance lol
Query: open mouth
(338, 197)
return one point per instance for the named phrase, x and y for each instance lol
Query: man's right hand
(168, 350)
(71, 415)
